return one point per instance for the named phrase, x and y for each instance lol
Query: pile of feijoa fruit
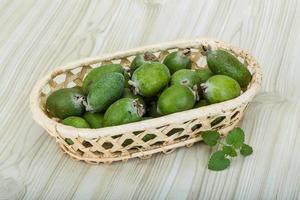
(112, 94)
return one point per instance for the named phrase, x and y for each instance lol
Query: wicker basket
(167, 133)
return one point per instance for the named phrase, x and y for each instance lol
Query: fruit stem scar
(127, 69)
(206, 49)
(184, 82)
(195, 92)
(139, 107)
(148, 56)
(204, 87)
(87, 106)
(79, 99)
(134, 85)
(82, 99)
(186, 52)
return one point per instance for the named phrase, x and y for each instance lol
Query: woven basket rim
(180, 117)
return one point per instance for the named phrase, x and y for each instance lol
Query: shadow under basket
(144, 138)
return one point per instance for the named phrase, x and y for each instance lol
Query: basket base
(143, 154)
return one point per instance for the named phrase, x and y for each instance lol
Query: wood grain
(37, 36)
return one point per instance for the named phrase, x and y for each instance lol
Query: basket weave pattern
(163, 134)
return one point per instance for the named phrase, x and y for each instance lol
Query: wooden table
(37, 36)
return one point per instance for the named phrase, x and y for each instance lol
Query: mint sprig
(246, 150)
(218, 161)
(229, 150)
(234, 142)
(211, 137)
(236, 138)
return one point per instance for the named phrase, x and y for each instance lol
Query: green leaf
(246, 150)
(218, 161)
(210, 137)
(236, 138)
(230, 151)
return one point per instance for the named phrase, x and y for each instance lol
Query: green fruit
(201, 103)
(123, 111)
(106, 90)
(153, 110)
(66, 102)
(175, 99)
(150, 78)
(176, 61)
(185, 77)
(76, 122)
(129, 94)
(95, 120)
(224, 63)
(220, 88)
(204, 74)
(96, 73)
(140, 59)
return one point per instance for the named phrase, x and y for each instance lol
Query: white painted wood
(36, 36)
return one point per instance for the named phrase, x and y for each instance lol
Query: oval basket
(164, 134)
